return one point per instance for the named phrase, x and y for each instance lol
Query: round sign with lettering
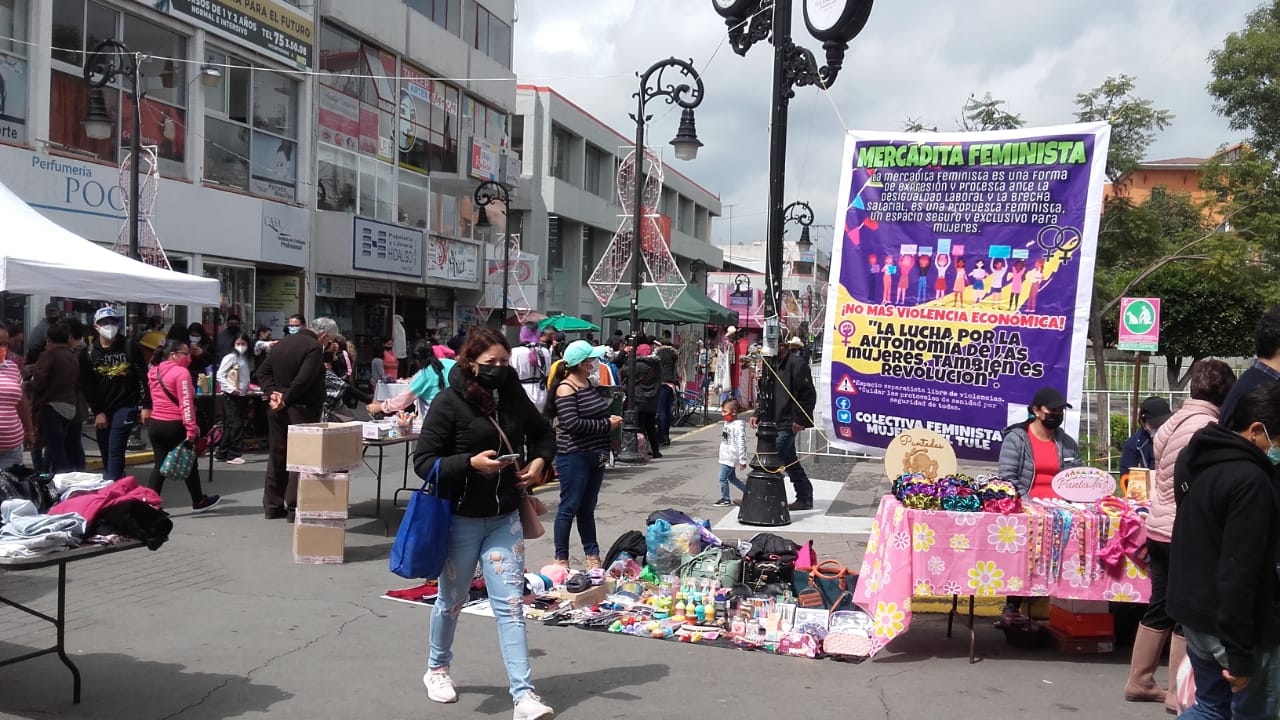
(919, 451)
(1083, 484)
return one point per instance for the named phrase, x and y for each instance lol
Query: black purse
(20, 483)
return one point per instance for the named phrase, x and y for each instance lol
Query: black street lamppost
(835, 23)
(112, 59)
(676, 90)
(488, 192)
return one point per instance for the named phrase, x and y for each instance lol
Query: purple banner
(963, 268)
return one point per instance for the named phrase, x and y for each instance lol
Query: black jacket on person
(114, 377)
(295, 368)
(795, 400)
(648, 377)
(455, 430)
(669, 361)
(1223, 561)
(1252, 378)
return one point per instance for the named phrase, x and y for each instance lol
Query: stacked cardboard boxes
(322, 454)
(1081, 627)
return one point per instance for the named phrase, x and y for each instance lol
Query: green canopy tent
(691, 307)
(568, 323)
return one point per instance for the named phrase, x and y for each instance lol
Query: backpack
(631, 542)
(770, 560)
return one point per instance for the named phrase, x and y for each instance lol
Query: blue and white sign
(386, 248)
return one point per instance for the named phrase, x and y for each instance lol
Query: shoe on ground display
(531, 707)
(235, 461)
(206, 503)
(440, 686)
(800, 505)
(723, 502)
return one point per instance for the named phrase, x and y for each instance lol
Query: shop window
(357, 95)
(413, 201)
(376, 200)
(445, 13)
(237, 288)
(68, 31)
(251, 129)
(427, 126)
(599, 163)
(562, 142)
(336, 179)
(444, 215)
(555, 242)
(483, 122)
(13, 70)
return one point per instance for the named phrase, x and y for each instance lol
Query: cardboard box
(323, 497)
(324, 447)
(586, 598)
(319, 542)
(1082, 625)
(1068, 645)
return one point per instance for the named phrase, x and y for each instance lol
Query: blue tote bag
(422, 542)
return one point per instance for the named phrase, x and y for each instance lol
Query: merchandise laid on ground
(72, 517)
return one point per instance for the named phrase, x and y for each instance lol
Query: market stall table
(914, 553)
(59, 621)
(382, 445)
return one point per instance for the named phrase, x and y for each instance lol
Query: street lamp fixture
(683, 88)
(835, 23)
(112, 59)
(801, 213)
(488, 192)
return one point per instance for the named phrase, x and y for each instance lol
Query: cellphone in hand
(508, 458)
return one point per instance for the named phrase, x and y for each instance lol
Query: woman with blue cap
(582, 447)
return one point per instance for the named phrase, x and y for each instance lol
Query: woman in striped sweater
(582, 447)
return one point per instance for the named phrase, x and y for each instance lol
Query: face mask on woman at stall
(492, 377)
(242, 349)
(108, 332)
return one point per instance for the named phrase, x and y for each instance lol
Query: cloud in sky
(919, 60)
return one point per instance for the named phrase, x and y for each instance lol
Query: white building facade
(316, 156)
(567, 207)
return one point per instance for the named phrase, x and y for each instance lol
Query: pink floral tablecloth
(913, 553)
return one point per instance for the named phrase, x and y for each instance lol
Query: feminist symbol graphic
(846, 330)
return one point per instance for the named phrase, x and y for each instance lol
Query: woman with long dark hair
(483, 416)
(582, 447)
(173, 417)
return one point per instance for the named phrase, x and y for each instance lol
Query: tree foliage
(988, 114)
(1244, 84)
(1135, 121)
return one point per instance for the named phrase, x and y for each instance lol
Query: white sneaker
(530, 707)
(440, 686)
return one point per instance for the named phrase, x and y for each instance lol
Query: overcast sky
(920, 59)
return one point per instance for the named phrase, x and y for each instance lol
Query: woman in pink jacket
(173, 417)
(1210, 382)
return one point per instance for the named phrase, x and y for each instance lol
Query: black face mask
(1052, 420)
(491, 377)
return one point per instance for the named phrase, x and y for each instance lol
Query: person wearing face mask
(1225, 556)
(114, 378)
(1037, 449)
(1033, 452)
(293, 381)
(233, 384)
(582, 446)
(174, 421)
(225, 344)
(482, 415)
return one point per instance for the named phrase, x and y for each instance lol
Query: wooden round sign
(919, 451)
(1083, 484)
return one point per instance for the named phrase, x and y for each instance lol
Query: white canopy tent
(39, 256)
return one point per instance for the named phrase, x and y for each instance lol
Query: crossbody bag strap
(502, 435)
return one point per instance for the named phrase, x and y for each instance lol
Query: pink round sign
(1083, 484)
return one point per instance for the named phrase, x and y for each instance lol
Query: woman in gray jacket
(1032, 453)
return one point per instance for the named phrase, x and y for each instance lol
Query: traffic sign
(1139, 324)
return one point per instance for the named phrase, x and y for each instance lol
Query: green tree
(1134, 120)
(1244, 79)
(988, 114)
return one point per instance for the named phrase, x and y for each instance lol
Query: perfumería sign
(386, 248)
(1083, 484)
(266, 25)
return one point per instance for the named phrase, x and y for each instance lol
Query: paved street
(220, 623)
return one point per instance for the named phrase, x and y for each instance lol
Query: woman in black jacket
(1224, 559)
(484, 414)
(648, 377)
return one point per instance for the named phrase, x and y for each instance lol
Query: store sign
(511, 168)
(286, 232)
(452, 260)
(372, 287)
(265, 25)
(485, 159)
(387, 248)
(13, 99)
(335, 287)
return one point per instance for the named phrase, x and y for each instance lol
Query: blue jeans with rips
(497, 543)
(729, 476)
(794, 470)
(113, 439)
(581, 475)
(1214, 699)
